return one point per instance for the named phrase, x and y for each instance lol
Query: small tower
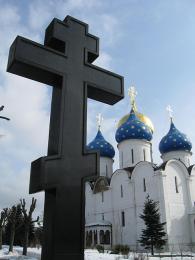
(105, 148)
(175, 144)
(134, 136)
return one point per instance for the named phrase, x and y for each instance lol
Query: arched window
(121, 159)
(95, 237)
(121, 191)
(144, 152)
(132, 156)
(123, 218)
(107, 237)
(144, 184)
(101, 237)
(151, 153)
(176, 185)
(102, 196)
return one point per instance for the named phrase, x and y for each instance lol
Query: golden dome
(146, 120)
(141, 117)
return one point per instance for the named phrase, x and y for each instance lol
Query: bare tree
(3, 221)
(12, 220)
(27, 221)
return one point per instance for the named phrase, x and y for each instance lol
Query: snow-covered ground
(94, 255)
(34, 254)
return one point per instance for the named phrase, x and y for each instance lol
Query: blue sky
(151, 43)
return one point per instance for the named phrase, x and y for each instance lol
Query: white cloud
(104, 60)
(110, 26)
(103, 24)
(106, 27)
(42, 12)
(27, 104)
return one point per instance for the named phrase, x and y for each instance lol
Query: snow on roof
(99, 223)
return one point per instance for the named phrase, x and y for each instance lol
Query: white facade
(184, 156)
(118, 198)
(134, 151)
(106, 166)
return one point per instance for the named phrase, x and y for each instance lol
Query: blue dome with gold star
(133, 128)
(174, 140)
(99, 143)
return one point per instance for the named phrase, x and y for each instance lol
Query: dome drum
(134, 151)
(183, 156)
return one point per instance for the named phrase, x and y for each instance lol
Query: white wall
(177, 204)
(191, 183)
(137, 148)
(143, 172)
(122, 201)
(192, 187)
(184, 156)
(106, 166)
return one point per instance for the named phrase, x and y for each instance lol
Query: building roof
(100, 144)
(133, 128)
(99, 223)
(174, 140)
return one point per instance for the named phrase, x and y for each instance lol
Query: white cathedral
(115, 200)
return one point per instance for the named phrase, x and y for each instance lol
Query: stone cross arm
(48, 63)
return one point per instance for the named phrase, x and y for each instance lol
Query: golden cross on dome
(132, 94)
(100, 119)
(170, 111)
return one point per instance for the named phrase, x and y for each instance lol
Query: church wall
(184, 156)
(90, 204)
(103, 209)
(133, 151)
(177, 203)
(191, 183)
(159, 195)
(191, 187)
(122, 198)
(144, 184)
(106, 166)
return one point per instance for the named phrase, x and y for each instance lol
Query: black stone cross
(65, 62)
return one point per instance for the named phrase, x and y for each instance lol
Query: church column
(98, 237)
(93, 237)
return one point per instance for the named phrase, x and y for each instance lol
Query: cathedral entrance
(98, 234)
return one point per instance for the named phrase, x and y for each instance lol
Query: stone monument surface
(65, 62)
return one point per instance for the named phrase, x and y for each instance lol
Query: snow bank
(35, 254)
